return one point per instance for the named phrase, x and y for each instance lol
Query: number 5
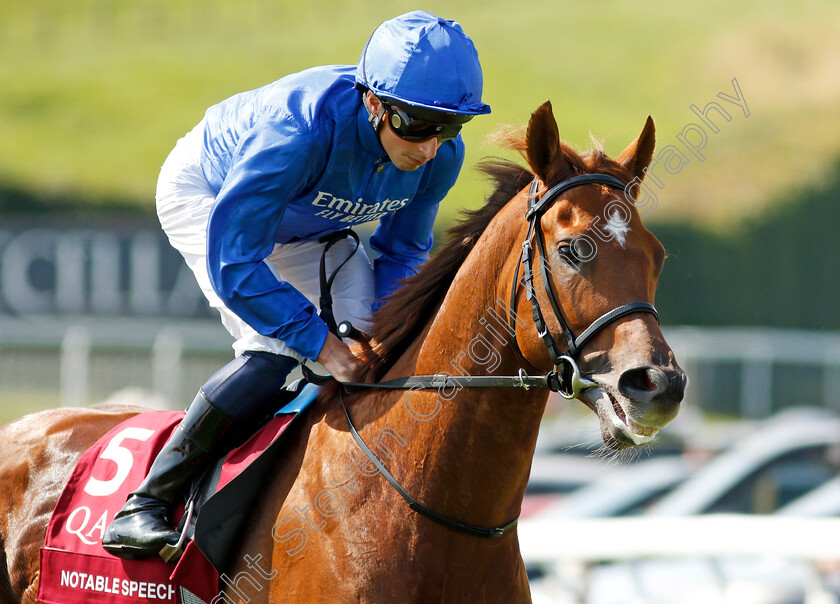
(123, 459)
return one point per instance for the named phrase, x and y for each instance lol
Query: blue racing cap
(427, 63)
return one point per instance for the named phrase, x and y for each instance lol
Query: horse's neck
(480, 442)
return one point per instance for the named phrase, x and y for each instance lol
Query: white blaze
(617, 227)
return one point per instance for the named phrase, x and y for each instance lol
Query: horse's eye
(569, 253)
(576, 251)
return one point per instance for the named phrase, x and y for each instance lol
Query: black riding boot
(142, 527)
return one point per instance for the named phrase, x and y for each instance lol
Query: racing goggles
(417, 130)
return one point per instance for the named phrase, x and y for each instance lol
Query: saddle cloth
(75, 569)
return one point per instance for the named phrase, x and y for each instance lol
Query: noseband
(570, 381)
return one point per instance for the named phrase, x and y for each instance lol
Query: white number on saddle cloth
(122, 457)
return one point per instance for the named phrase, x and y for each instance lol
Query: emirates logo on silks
(345, 210)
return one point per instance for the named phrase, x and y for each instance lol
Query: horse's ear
(636, 157)
(543, 151)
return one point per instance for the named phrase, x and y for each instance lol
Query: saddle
(75, 569)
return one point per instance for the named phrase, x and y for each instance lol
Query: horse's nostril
(642, 379)
(646, 383)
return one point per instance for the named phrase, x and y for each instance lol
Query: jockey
(247, 198)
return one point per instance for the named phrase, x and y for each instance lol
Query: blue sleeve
(271, 163)
(404, 238)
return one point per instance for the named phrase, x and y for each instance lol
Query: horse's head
(600, 258)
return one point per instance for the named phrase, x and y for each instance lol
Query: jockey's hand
(339, 360)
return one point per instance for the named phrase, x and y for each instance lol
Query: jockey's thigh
(184, 202)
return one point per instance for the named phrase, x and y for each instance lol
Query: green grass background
(94, 93)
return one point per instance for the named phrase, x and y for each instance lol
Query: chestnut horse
(328, 527)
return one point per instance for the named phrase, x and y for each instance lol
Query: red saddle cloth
(75, 569)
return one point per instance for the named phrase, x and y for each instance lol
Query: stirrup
(172, 552)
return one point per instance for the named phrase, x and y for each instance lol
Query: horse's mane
(409, 309)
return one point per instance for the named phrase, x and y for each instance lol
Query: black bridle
(565, 365)
(565, 378)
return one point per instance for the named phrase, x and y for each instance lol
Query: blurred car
(787, 463)
(824, 501)
(785, 457)
(555, 476)
(627, 490)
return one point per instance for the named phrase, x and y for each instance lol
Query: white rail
(570, 552)
(548, 541)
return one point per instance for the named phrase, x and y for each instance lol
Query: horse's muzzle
(654, 393)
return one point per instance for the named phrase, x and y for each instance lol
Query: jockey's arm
(267, 172)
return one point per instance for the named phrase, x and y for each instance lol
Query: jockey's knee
(249, 386)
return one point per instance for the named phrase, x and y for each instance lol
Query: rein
(470, 529)
(565, 379)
